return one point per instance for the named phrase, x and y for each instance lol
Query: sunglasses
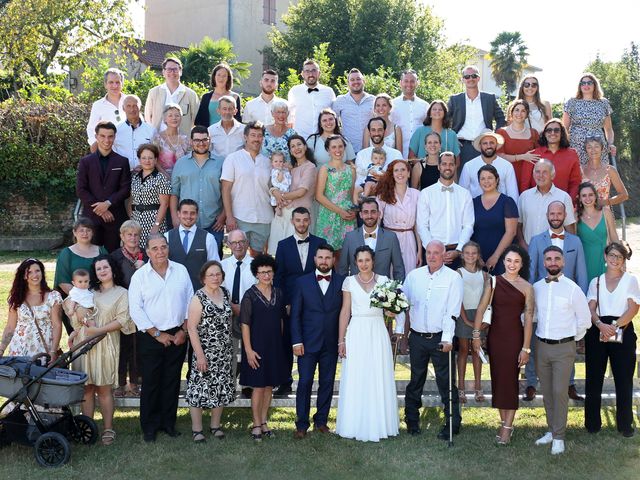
(529, 85)
(584, 83)
(117, 112)
(553, 130)
(473, 75)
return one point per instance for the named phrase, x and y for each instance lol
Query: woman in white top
(393, 134)
(613, 298)
(368, 406)
(539, 110)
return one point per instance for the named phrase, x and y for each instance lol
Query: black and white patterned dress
(144, 192)
(215, 387)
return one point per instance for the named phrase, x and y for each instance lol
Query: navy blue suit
(314, 323)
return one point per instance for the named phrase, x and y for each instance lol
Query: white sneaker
(546, 439)
(557, 447)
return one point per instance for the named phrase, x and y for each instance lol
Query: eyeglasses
(553, 130)
(200, 140)
(584, 83)
(213, 275)
(266, 272)
(473, 75)
(238, 243)
(529, 85)
(171, 69)
(615, 256)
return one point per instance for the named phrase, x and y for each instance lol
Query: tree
(41, 35)
(199, 59)
(508, 59)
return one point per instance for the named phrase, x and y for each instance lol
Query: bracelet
(597, 324)
(340, 343)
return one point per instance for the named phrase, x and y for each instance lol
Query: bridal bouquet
(390, 297)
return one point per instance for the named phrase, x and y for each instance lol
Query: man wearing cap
(487, 144)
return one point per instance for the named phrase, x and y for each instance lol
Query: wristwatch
(156, 334)
(526, 350)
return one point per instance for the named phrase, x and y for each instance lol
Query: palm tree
(508, 59)
(199, 59)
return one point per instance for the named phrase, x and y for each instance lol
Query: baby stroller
(27, 384)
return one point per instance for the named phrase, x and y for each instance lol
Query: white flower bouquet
(390, 297)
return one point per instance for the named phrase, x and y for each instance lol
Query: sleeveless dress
(216, 387)
(536, 118)
(518, 146)
(330, 225)
(367, 406)
(504, 342)
(594, 241)
(603, 185)
(26, 341)
(429, 175)
(473, 284)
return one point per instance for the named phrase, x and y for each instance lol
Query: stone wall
(20, 217)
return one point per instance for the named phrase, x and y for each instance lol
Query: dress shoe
(172, 432)
(546, 439)
(299, 434)
(529, 394)
(628, 433)
(150, 437)
(283, 390)
(444, 432)
(321, 429)
(414, 430)
(557, 447)
(573, 394)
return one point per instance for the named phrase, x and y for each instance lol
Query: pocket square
(199, 249)
(117, 168)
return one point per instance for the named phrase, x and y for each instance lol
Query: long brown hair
(386, 187)
(597, 89)
(18, 293)
(536, 98)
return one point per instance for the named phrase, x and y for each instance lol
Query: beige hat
(488, 133)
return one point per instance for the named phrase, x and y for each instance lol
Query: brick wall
(21, 217)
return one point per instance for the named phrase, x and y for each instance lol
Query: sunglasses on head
(473, 75)
(553, 130)
(586, 82)
(529, 85)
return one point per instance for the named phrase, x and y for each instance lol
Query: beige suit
(155, 103)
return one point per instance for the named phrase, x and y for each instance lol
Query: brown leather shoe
(321, 429)
(530, 394)
(299, 434)
(573, 394)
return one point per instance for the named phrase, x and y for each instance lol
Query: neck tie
(323, 277)
(549, 280)
(306, 240)
(447, 189)
(185, 241)
(560, 236)
(309, 90)
(369, 235)
(235, 291)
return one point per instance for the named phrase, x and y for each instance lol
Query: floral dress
(587, 120)
(26, 341)
(277, 144)
(330, 225)
(170, 152)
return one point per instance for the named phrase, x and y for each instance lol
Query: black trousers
(467, 152)
(623, 364)
(128, 361)
(421, 350)
(288, 350)
(160, 367)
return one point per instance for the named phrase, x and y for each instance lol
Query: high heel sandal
(217, 432)
(499, 430)
(257, 437)
(502, 441)
(480, 396)
(462, 396)
(267, 432)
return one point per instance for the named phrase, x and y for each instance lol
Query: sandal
(480, 396)
(502, 440)
(462, 397)
(134, 391)
(217, 432)
(198, 437)
(257, 437)
(267, 432)
(120, 392)
(108, 436)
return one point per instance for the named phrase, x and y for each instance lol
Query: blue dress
(488, 228)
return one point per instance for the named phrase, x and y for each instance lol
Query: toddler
(367, 188)
(280, 177)
(79, 305)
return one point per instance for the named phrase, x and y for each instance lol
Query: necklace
(368, 281)
(173, 146)
(517, 131)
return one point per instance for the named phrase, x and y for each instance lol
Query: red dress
(518, 146)
(504, 342)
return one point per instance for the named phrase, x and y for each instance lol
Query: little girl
(475, 281)
(280, 177)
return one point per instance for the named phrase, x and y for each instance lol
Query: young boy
(280, 177)
(79, 305)
(367, 188)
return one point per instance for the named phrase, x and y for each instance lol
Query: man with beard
(445, 212)
(487, 144)
(563, 317)
(574, 268)
(354, 108)
(307, 100)
(376, 127)
(294, 258)
(409, 110)
(259, 109)
(315, 311)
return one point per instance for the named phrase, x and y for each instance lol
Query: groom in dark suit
(384, 243)
(294, 258)
(315, 311)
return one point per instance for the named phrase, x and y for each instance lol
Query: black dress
(265, 319)
(429, 175)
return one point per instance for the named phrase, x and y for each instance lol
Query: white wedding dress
(367, 406)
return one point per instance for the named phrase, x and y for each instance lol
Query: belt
(145, 208)
(557, 342)
(451, 246)
(399, 229)
(425, 335)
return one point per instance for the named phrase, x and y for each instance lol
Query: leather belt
(425, 335)
(557, 342)
(146, 208)
(399, 229)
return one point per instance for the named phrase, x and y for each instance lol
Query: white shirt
(434, 300)
(508, 183)
(363, 160)
(250, 197)
(532, 208)
(104, 110)
(354, 116)
(557, 242)
(159, 302)
(257, 110)
(614, 303)
(324, 284)
(303, 248)
(370, 241)
(247, 280)
(408, 115)
(171, 98)
(561, 309)
(305, 106)
(473, 120)
(223, 143)
(210, 242)
(128, 139)
(445, 216)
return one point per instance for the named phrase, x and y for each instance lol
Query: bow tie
(306, 240)
(549, 280)
(560, 236)
(370, 235)
(447, 189)
(309, 90)
(323, 277)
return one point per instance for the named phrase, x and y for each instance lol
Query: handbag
(616, 337)
(486, 316)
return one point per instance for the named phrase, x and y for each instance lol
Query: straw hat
(488, 133)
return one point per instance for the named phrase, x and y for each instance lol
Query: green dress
(594, 242)
(330, 225)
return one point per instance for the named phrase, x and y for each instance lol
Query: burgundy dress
(504, 343)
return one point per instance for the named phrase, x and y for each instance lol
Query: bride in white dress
(367, 406)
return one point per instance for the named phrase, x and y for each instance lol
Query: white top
(257, 110)
(445, 216)
(434, 300)
(354, 116)
(82, 296)
(284, 184)
(172, 98)
(536, 118)
(371, 242)
(305, 106)
(408, 115)
(223, 143)
(247, 280)
(508, 183)
(128, 139)
(363, 160)
(250, 191)
(210, 242)
(561, 309)
(532, 208)
(324, 284)
(101, 110)
(159, 302)
(473, 288)
(473, 120)
(557, 242)
(614, 303)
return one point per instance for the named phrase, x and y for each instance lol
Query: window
(269, 12)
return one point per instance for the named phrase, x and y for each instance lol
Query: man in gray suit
(385, 244)
(469, 117)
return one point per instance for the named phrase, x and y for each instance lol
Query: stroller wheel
(84, 430)
(52, 450)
